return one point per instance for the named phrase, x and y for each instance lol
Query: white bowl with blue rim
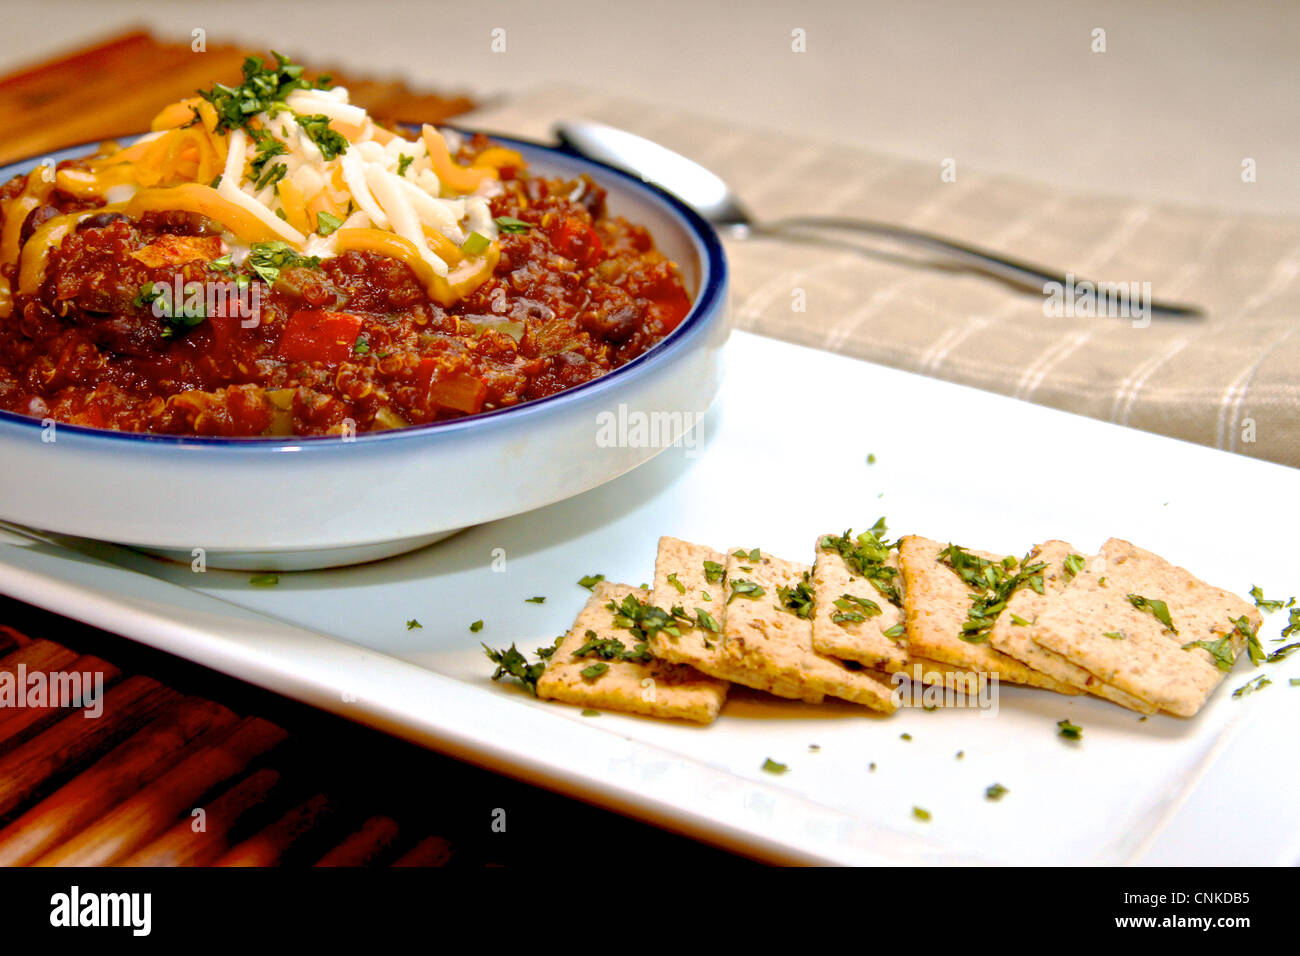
(282, 504)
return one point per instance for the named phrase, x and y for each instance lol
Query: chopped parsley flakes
(1068, 730)
(511, 224)
(992, 584)
(1263, 603)
(995, 792)
(589, 581)
(1221, 650)
(264, 88)
(746, 589)
(1158, 608)
(771, 766)
(798, 600)
(1258, 683)
(412, 624)
(865, 556)
(512, 663)
(269, 259)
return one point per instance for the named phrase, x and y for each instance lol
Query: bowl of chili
(325, 496)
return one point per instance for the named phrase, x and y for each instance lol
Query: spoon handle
(1015, 271)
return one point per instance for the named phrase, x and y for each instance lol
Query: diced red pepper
(328, 337)
(577, 241)
(456, 390)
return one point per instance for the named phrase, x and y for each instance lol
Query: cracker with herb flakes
(690, 579)
(1011, 633)
(853, 619)
(767, 638)
(603, 679)
(962, 680)
(1148, 627)
(937, 606)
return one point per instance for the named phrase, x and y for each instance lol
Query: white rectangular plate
(782, 458)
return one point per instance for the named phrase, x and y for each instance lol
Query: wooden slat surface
(116, 87)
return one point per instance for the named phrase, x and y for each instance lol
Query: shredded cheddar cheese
(271, 176)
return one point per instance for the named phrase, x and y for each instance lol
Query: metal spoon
(713, 199)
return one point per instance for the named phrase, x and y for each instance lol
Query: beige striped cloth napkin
(1228, 380)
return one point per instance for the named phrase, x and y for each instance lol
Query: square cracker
(862, 641)
(694, 592)
(677, 691)
(1027, 604)
(1148, 661)
(767, 646)
(936, 602)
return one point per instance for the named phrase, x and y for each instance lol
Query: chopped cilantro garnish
(331, 143)
(1258, 683)
(1293, 622)
(898, 630)
(594, 671)
(588, 712)
(264, 580)
(361, 346)
(327, 224)
(610, 648)
(269, 259)
(1018, 621)
(403, 163)
(851, 609)
(644, 620)
(476, 627)
(1073, 564)
(921, 813)
(866, 555)
(1282, 653)
(535, 600)
(263, 88)
(755, 555)
(672, 579)
(1115, 635)
(771, 766)
(147, 295)
(1263, 603)
(1158, 608)
(1221, 650)
(992, 584)
(798, 600)
(589, 581)
(995, 792)
(511, 663)
(511, 224)
(412, 624)
(1068, 730)
(746, 589)
(1256, 650)
(706, 620)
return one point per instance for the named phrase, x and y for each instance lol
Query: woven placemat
(1227, 381)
